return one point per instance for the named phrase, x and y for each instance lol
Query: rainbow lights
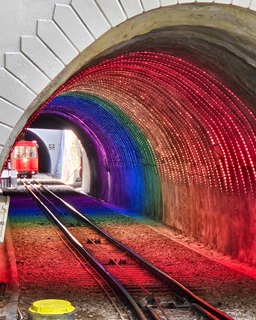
(200, 132)
(122, 151)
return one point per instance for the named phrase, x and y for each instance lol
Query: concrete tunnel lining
(183, 119)
(184, 205)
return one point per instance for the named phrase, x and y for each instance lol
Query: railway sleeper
(93, 241)
(149, 301)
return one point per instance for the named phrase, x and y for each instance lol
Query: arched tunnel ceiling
(217, 38)
(230, 57)
(200, 130)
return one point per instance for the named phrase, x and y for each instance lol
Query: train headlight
(25, 160)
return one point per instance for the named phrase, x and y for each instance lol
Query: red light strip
(201, 132)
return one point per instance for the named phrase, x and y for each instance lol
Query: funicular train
(24, 158)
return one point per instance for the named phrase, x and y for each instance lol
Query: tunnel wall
(222, 222)
(202, 137)
(125, 165)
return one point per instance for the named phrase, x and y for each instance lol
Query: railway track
(151, 293)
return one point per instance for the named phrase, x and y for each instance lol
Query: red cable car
(24, 158)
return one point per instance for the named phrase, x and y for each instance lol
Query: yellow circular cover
(51, 306)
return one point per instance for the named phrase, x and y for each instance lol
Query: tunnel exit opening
(62, 156)
(59, 154)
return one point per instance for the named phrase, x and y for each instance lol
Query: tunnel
(169, 141)
(167, 118)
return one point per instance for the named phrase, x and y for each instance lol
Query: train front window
(19, 152)
(31, 152)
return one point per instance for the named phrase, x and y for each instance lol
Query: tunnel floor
(45, 269)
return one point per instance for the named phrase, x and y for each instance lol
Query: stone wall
(224, 222)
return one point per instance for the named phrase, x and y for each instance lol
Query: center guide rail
(188, 297)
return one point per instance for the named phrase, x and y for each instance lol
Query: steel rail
(210, 311)
(85, 254)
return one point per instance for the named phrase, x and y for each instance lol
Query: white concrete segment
(40, 54)
(131, 7)
(91, 15)
(253, 5)
(14, 91)
(150, 4)
(53, 37)
(72, 26)
(241, 3)
(26, 71)
(223, 1)
(4, 208)
(186, 1)
(11, 113)
(168, 2)
(113, 11)
(4, 133)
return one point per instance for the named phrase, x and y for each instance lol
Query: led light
(152, 114)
